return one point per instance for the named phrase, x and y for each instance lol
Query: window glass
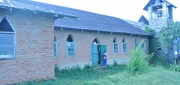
(135, 44)
(55, 47)
(70, 46)
(124, 45)
(115, 46)
(6, 45)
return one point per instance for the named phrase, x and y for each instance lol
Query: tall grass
(112, 75)
(139, 61)
(175, 67)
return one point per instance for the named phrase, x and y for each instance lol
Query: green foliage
(115, 63)
(57, 71)
(169, 33)
(154, 43)
(155, 76)
(88, 68)
(175, 67)
(168, 36)
(68, 71)
(116, 67)
(160, 61)
(139, 61)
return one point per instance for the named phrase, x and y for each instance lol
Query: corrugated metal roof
(22, 6)
(14, 4)
(89, 20)
(138, 24)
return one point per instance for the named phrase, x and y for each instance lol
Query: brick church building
(34, 37)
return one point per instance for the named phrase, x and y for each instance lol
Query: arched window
(96, 42)
(124, 45)
(135, 43)
(115, 45)
(71, 46)
(55, 47)
(70, 38)
(142, 45)
(7, 40)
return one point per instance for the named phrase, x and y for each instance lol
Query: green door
(94, 55)
(102, 50)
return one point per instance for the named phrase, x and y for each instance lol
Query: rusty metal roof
(89, 20)
(22, 6)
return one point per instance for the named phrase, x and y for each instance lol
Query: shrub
(88, 68)
(139, 60)
(57, 71)
(154, 44)
(115, 63)
(175, 67)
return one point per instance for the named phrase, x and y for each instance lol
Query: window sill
(7, 58)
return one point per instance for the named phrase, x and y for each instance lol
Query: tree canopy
(170, 36)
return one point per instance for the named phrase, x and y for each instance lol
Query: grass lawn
(114, 75)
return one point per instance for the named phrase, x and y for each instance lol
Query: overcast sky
(125, 9)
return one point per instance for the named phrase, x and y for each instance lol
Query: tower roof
(151, 2)
(144, 20)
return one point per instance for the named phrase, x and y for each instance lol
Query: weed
(175, 67)
(139, 61)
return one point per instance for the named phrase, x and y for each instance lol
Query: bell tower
(159, 13)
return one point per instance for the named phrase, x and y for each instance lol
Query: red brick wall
(83, 46)
(34, 47)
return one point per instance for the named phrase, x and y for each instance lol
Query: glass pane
(115, 48)
(6, 45)
(55, 49)
(124, 47)
(136, 45)
(142, 46)
(71, 48)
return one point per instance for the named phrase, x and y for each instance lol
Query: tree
(153, 43)
(170, 38)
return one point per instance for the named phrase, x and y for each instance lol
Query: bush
(57, 71)
(88, 69)
(116, 67)
(139, 60)
(115, 63)
(175, 67)
(154, 44)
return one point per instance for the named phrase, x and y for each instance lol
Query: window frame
(143, 45)
(115, 46)
(136, 44)
(67, 52)
(124, 45)
(55, 48)
(14, 54)
(67, 43)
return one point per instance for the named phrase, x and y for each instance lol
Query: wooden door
(94, 55)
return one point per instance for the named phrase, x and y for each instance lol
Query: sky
(124, 9)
